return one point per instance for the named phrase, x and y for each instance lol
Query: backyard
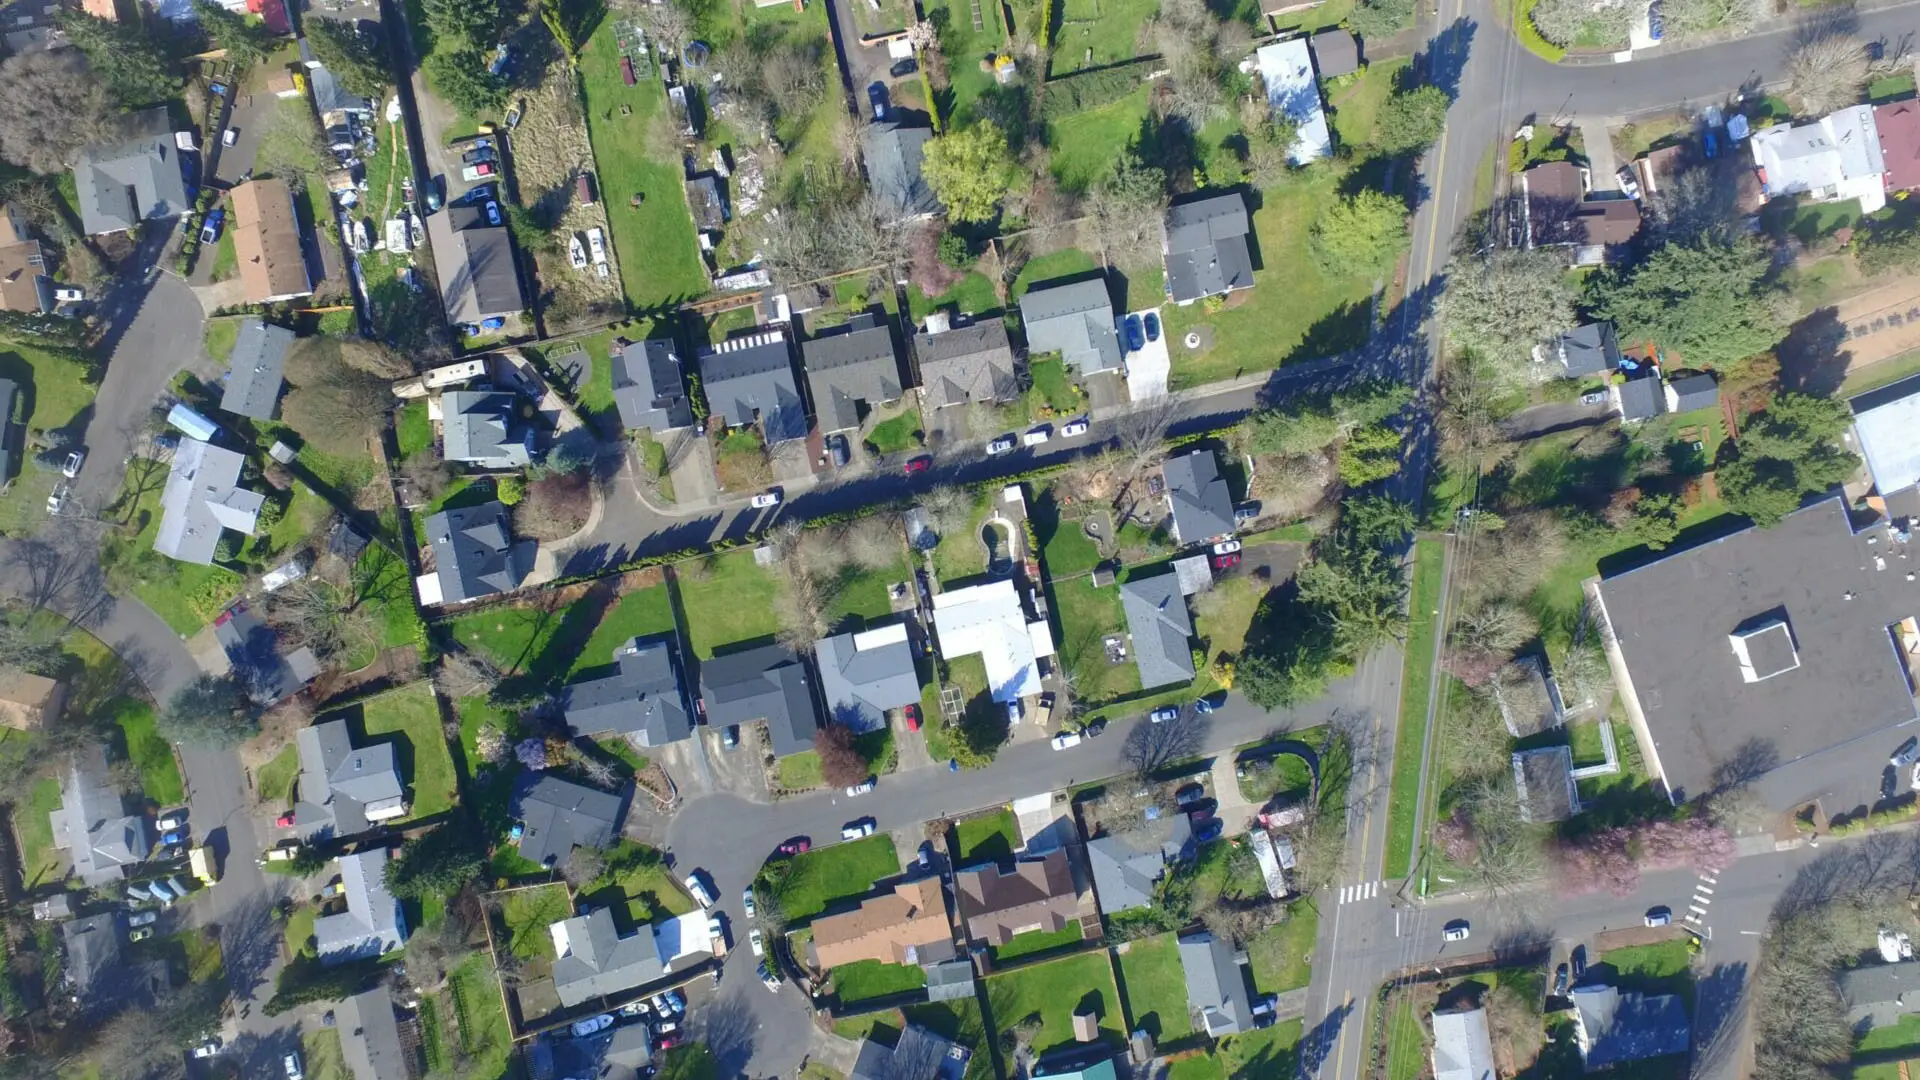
(547, 643)
(867, 979)
(726, 599)
(186, 595)
(425, 765)
(53, 393)
(1155, 987)
(1053, 992)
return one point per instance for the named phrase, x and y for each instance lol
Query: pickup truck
(478, 171)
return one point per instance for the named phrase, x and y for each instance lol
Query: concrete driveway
(252, 115)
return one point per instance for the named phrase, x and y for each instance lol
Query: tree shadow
(1813, 356)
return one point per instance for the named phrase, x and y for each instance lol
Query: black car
(1889, 782)
(877, 95)
(1095, 729)
(1579, 959)
(905, 68)
(1189, 793)
(475, 157)
(1209, 830)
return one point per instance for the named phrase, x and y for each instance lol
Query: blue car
(172, 838)
(210, 232)
(1153, 327)
(1209, 831)
(1656, 26)
(1136, 336)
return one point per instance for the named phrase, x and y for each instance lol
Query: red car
(668, 1042)
(913, 718)
(919, 465)
(1224, 563)
(799, 845)
(284, 821)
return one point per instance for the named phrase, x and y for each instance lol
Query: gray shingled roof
(370, 1037)
(484, 428)
(1629, 1026)
(329, 95)
(766, 683)
(253, 652)
(644, 700)
(474, 552)
(1879, 984)
(966, 363)
(1543, 776)
(133, 178)
(1197, 493)
(341, 784)
(917, 1054)
(1123, 875)
(1161, 628)
(203, 497)
(1335, 53)
(1691, 392)
(92, 824)
(599, 962)
(750, 378)
(849, 365)
(893, 155)
(1074, 320)
(557, 816)
(1588, 349)
(1206, 248)
(1462, 1045)
(259, 359)
(1215, 988)
(649, 387)
(864, 675)
(1642, 398)
(93, 954)
(372, 925)
(474, 262)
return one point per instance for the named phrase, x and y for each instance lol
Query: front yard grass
(1282, 956)
(1356, 108)
(425, 763)
(1054, 393)
(726, 599)
(220, 336)
(740, 461)
(984, 839)
(807, 883)
(527, 913)
(1054, 991)
(1154, 983)
(1652, 969)
(53, 393)
(1085, 615)
(801, 771)
(186, 595)
(275, 779)
(149, 752)
(1416, 686)
(866, 979)
(324, 1059)
(897, 435)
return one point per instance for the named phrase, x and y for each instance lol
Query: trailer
(191, 422)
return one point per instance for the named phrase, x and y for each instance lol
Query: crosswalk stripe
(1344, 890)
(1693, 919)
(1715, 878)
(1696, 908)
(1703, 889)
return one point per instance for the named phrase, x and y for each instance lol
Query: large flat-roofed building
(1778, 654)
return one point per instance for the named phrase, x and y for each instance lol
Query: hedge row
(1078, 93)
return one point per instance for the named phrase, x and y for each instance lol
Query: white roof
(1889, 436)
(885, 635)
(681, 936)
(988, 620)
(1462, 1047)
(1824, 154)
(1287, 69)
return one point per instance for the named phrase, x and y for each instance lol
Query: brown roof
(1555, 180)
(101, 9)
(27, 700)
(1608, 221)
(1899, 125)
(1656, 167)
(22, 265)
(1034, 894)
(266, 237)
(885, 928)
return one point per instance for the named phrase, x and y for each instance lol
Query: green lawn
(225, 259)
(1035, 942)
(527, 913)
(299, 931)
(475, 998)
(187, 596)
(1086, 614)
(425, 763)
(1086, 144)
(1095, 33)
(859, 595)
(1054, 991)
(960, 1021)
(151, 754)
(1295, 311)
(324, 1060)
(53, 393)
(1356, 108)
(653, 239)
(641, 613)
(40, 861)
(275, 779)
(807, 883)
(988, 838)
(413, 429)
(973, 295)
(1653, 969)
(872, 979)
(1067, 262)
(551, 645)
(1282, 956)
(726, 599)
(965, 48)
(897, 435)
(1155, 986)
(1054, 393)
(1272, 1051)
(593, 398)
(1065, 548)
(961, 555)
(1887, 1042)
(1416, 684)
(221, 335)
(801, 771)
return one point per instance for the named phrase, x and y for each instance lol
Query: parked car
(861, 788)
(854, 830)
(1560, 981)
(1659, 916)
(768, 977)
(1208, 830)
(1002, 445)
(70, 470)
(209, 1048)
(633, 1008)
(592, 1025)
(842, 453)
(1595, 398)
(169, 839)
(717, 932)
(1907, 754)
(746, 901)
(229, 136)
(1152, 320)
(1656, 24)
(668, 1042)
(1164, 713)
(291, 1065)
(481, 193)
(799, 845)
(1136, 333)
(1037, 436)
(925, 856)
(877, 97)
(918, 465)
(284, 821)
(1066, 739)
(766, 499)
(904, 68)
(1095, 729)
(210, 231)
(141, 934)
(143, 918)
(493, 212)
(57, 499)
(912, 715)
(1224, 563)
(1189, 793)
(173, 820)
(475, 157)
(1579, 960)
(1629, 183)
(753, 940)
(1245, 512)
(1456, 930)
(730, 737)
(1073, 428)
(479, 171)
(698, 888)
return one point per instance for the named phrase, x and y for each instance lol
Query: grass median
(1416, 686)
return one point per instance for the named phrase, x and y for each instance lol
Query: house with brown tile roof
(266, 238)
(1899, 127)
(29, 701)
(24, 284)
(907, 926)
(999, 902)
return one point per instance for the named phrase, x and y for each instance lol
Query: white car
(170, 822)
(768, 977)
(860, 788)
(72, 469)
(1226, 547)
(291, 1064)
(209, 1048)
(1077, 427)
(1037, 436)
(753, 939)
(592, 1025)
(1002, 445)
(633, 1008)
(1164, 713)
(746, 901)
(1066, 739)
(716, 930)
(698, 889)
(229, 136)
(142, 918)
(1456, 930)
(766, 499)
(57, 500)
(857, 830)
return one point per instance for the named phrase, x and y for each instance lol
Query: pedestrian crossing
(1365, 891)
(1702, 897)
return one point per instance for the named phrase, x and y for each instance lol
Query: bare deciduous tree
(873, 542)
(671, 24)
(583, 867)
(51, 107)
(1150, 747)
(324, 617)
(1126, 211)
(1197, 50)
(465, 674)
(1827, 70)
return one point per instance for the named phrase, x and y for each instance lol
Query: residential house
(1204, 246)
(1124, 875)
(998, 903)
(474, 555)
(92, 825)
(649, 388)
(556, 816)
(851, 367)
(95, 976)
(1074, 320)
(1198, 498)
(24, 284)
(1832, 159)
(1728, 646)
(629, 1054)
(1886, 431)
(33, 26)
(950, 980)
(1528, 698)
(707, 199)
(1462, 1045)
(749, 380)
(894, 155)
(1286, 67)
(865, 675)
(483, 428)
(594, 960)
(1898, 126)
(373, 924)
(992, 621)
(1611, 1027)
(1216, 990)
(916, 1054)
(1543, 778)
(906, 926)
(1691, 393)
(131, 177)
(474, 263)
(203, 497)
(344, 789)
(266, 240)
(1160, 628)
(330, 97)
(1586, 350)
(644, 701)
(1878, 995)
(1641, 398)
(370, 1038)
(768, 683)
(253, 655)
(28, 701)
(1100, 1069)
(1335, 53)
(259, 362)
(964, 364)
(1559, 213)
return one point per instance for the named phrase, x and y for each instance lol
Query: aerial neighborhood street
(890, 540)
